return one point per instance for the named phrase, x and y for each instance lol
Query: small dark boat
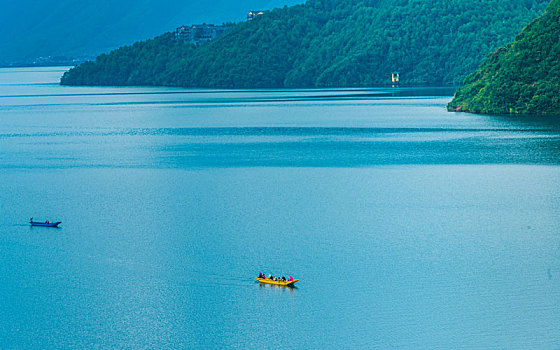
(44, 224)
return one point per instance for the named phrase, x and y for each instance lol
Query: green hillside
(520, 78)
(326, 43)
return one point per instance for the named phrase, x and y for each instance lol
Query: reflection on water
(280, 289)
(529, 122)
(494, 143)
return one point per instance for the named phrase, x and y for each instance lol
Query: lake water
(408, 226)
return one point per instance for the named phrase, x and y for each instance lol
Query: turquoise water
(409, 227)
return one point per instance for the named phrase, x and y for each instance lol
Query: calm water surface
(409, 227)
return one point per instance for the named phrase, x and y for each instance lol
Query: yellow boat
(278, 283)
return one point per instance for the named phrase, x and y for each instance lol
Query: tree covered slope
(520, 78)
(326, 43)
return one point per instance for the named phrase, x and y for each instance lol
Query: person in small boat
(47, 222)
(31, 220)
(291, 278)
(283, 279)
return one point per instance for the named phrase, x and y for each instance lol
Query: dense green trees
(520, 78)
(325, 43)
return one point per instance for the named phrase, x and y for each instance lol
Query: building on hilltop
(253, 14)
(197, 34)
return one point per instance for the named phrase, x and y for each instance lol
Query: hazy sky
(31, 28)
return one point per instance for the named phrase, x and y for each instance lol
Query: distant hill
(520, 78)
(30, 29)
(326, 43)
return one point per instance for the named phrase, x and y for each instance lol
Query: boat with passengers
(279, 281)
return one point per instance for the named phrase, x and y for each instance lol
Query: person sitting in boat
(47, 222)
(283, 279)
(291, 278)
(31, 220)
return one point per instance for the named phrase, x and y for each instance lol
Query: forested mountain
(31, 28)
(326, 43)
(520, 78)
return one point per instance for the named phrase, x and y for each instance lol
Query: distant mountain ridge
(326, 43)
(520, 78)
(30, 29)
